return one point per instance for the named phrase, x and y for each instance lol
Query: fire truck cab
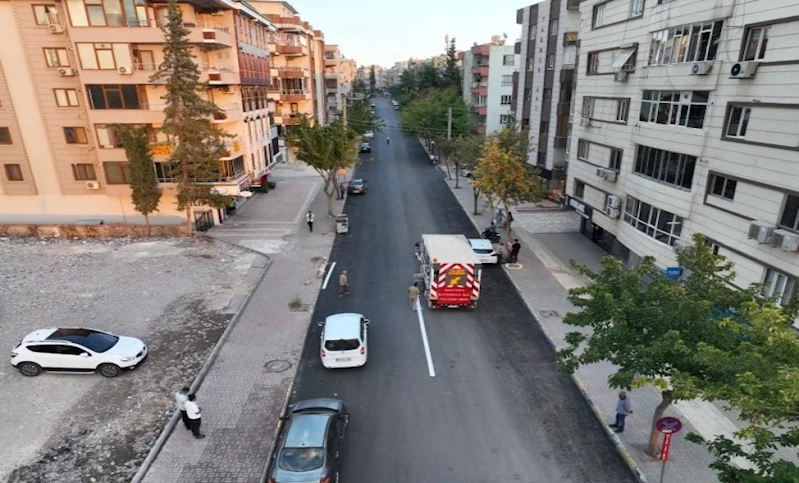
(449, 271)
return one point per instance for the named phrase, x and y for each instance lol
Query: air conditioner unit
(612, 212)
(620, 76)
(92, 185)
(600, 173)
(55, 28)
(125, 69)
(761, 231)
(785, 240)
(612, 202)
(610, 175)
(682, 245)
(701, 68)
(585, 122)
(66, 72)
(743, 70)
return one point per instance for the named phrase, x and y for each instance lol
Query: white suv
(344, 341)
(77, 350)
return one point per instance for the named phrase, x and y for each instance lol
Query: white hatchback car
(484, 250)
(344, 341)
(77, 350)
(369, 134)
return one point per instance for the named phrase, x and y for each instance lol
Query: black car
(357, 186)
(310, 446)
(366, 148)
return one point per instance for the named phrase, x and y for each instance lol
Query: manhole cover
(277, 366)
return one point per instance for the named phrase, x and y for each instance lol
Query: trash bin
(342, 224)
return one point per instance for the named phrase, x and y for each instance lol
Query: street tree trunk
(654, 434)
(476, 198)
(457, 175)
(189, 228)
(147, 224)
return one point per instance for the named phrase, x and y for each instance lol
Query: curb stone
(617, 442)
(278, 428)
(170, 426)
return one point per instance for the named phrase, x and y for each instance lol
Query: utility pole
(344, 109)
(449, 148)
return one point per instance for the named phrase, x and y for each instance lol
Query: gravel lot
(173, 294)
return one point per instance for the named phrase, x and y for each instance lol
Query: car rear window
(483, 251)
(91, 339)
(301, 459)
(342, 344)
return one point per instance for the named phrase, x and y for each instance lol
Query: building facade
(488, 72)
(683, 124)
(80, 67)
(544, 84)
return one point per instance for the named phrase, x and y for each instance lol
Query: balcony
(231, 112)
(297, 50)
(484, 49)
(293, 72)
(295, 95)
(479, 88)
(481, 128)
(331, 75)
(481, 69)
(273, 92)
(218, 75)
(123, 74)
(146, 114)
(561, 141)
(331, 61)
(563, 108)
(208, 35)
(480, 109)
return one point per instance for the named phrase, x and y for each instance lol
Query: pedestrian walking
(342, 190)
(309, 220)
(344, 284)
(623, 409)
(180, 401)
(195, 419)
(508, 220)
(508, 246)
(499, 217)
(413, 295)
(515, 248)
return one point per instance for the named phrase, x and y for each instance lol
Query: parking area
(175, 295)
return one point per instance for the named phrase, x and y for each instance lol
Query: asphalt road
(497, 409)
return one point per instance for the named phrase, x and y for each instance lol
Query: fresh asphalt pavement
(497, 409)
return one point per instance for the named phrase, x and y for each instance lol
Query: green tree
(452, 74)
(701, 338)
(145, 193)
(372, 80)
(466, 153)
(197, 144)
(327, 149)
(426, 117)
(360, 117)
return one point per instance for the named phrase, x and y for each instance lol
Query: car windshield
(91, 339)
(301, 459)
(356, 182)
(342, 344)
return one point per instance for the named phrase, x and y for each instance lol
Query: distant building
(488, 83)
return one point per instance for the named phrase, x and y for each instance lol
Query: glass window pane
(96, 15)
(729, 189)
(113, 13)
(696, 117)
(61, 97)
(745, 122)
(114, 99)
(63, 59)
(735, 119)
(105, 59)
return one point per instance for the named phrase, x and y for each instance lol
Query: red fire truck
(449, 271)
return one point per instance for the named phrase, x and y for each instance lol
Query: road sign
(669, 425)
(664, 453)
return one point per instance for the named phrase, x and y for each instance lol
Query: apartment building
(686, 122)
(488, 83)
(72, 69)
(544, 84)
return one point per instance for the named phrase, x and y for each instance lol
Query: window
(507, 80)
(722, 187)
(116, 96)
(756, 41)
(116, 173)
(672, 168)
(13, 172)
(164, 172)
(636, 8)
(593, 63)
(790, 214)
(505, 119)
(553, 27)
(97, 56)
(114, 13)
(45, 14)
(738, 122)
(108, 136)
(531, 33)
(5, 136)
(599, 15)
(550, 61)
(687, 43)
(615, 159)
(779, 286)
(508, 59)
(588, 107)
(83, 172)
(659, 224)
(675, 108)
(56, 57)
(66, 97)
(547, 96)
(530, 65)
(75, 135)
(622, 107)
(579, 189)
(506, 100)
(583, 148)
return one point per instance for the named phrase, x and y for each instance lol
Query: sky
(386, 31)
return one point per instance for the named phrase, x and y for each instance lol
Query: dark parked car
(310, 446)
(357, 186)
(366, 148)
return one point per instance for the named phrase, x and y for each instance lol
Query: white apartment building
(488, 83)
(686, 120)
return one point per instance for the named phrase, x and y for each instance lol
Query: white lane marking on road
(430, 369)
(329, 273)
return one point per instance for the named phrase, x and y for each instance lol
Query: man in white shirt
(309, 220)
(193, 413)
(180, 401)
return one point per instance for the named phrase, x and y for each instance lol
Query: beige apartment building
(339, 77)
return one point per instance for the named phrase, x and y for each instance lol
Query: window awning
(622, 59)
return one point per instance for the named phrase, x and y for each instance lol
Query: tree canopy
(426, 117)
(452, 74)
(360, 117)
(145, 193)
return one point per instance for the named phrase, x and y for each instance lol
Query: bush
(295, 303)
(271, 185)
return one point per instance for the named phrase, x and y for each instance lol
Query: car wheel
(109, 370)
(29, 369)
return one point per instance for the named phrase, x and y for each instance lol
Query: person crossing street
(413, 295)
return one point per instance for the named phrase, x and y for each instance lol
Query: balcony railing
(294, 92)
(198, 24)
(216, 67)
(146, 66)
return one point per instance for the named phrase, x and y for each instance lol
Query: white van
(344, 341)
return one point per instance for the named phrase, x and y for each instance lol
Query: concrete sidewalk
(543, 281)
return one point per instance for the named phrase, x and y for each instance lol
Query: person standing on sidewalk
(515, 248)
(623, 409)
(499, 218)
(309, 220)
(180, 402)
(195, 419)
(344, 284)
(508, 221)
(413, 295)
(341, 190)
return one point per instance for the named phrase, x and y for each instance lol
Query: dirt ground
(173, 294)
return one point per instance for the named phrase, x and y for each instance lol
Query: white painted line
(430, 369)
(329, 273)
